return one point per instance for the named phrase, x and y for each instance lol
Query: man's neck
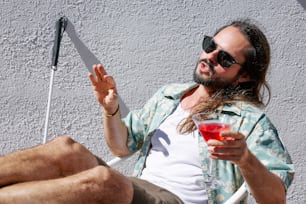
(194, 97)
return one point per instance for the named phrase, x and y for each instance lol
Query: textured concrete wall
(143, 44)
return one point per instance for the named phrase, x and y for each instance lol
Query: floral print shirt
(261, 137)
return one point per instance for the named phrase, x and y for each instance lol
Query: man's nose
(213, 57)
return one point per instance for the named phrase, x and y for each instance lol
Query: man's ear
(244, 77)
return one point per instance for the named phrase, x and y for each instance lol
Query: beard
(213, 83)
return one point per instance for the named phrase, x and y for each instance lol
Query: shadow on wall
(86, 55)
(303, 3)
(89, 59)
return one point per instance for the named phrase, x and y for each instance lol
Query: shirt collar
(176, 92)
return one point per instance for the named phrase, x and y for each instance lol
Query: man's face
(210, 73)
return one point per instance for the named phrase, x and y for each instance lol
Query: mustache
(210, 65)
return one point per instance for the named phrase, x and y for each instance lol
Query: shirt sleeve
(265, 143)
(139, 121)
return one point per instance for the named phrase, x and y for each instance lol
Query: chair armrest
(117, 160)
(239, 195)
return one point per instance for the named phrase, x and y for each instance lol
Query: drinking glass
(210, 125)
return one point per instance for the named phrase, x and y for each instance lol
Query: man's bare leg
(59, 158)
(97, 185)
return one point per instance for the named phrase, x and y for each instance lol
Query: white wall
(144, 45)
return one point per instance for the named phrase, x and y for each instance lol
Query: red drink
(211, 130)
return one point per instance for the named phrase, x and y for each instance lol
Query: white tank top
(173, 161)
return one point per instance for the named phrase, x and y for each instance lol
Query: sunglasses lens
(225, 59)
(208, 44)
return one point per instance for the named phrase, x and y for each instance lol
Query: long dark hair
(257, 58)
(255, 66)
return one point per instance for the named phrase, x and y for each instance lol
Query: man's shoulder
(249, 107)
(253, 113)
(246, 109)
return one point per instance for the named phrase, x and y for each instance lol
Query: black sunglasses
(223, 57)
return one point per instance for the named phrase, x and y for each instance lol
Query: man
(229, 76)
(173, 156)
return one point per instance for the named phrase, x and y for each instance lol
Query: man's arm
(264, 185)
(105, 91)
(116, 134)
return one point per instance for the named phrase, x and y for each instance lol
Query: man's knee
(71, 156)
(108, 185)
(65, 141)
(64, 147)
